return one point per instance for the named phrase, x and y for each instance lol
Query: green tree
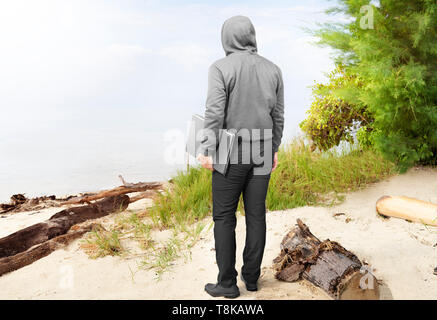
(391, 46)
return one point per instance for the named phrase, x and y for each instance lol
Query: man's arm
(278, 114)
(214, 113)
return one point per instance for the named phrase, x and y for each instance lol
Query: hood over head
(238, 34)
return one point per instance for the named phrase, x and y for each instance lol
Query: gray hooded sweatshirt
(245, 90)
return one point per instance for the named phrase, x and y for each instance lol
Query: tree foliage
(334, 112)
(391, 47)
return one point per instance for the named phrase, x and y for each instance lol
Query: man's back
(245, 90)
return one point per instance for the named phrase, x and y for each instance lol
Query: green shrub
(335, 111)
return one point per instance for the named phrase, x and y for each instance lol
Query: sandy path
(402, 254)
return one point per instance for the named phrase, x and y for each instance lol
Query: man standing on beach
(245, 93)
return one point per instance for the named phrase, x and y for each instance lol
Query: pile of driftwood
(20, 203)
(27, 245)
(325, 264)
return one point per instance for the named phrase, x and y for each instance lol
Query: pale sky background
(88, 88)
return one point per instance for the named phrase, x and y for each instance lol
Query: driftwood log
(124, 189)
(59, 224)
(149, 194)
(408, 208)
(325, 264)
(20, 260)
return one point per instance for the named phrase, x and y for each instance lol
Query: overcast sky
(76, 65)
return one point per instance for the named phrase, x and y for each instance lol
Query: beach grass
(135, 227)
(161, 258)
(187, 200)
(101, 242)
(306, 178)
(303, 177)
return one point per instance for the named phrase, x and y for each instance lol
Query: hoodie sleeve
(278, 114)
(215, 111)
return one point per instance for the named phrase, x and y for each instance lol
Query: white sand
(402, 254)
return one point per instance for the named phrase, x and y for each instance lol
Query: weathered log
(59, 224)
(15, 262)
(128, 188)
(325, 264)
(408, 208)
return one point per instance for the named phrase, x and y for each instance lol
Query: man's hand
(205, 161)
(275, 161)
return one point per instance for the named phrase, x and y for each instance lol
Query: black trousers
(226, 191)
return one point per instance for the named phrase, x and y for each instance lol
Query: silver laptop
(225, 146)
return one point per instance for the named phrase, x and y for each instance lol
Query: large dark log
(12, 263)
(59, 224)
(325, 264)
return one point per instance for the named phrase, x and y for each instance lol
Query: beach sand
(402, 254)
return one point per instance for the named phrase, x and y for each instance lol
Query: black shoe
(216, 290)
(249, 286)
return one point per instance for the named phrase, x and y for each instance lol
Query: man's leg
(226, 191)
(254, 195)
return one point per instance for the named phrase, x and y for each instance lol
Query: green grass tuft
(102, 243)
(187, 201)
